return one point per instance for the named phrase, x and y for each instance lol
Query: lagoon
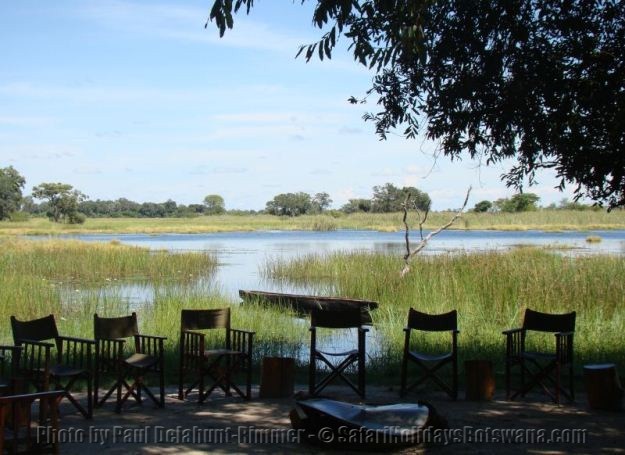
(241, 255)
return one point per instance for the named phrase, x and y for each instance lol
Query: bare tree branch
(424, 241)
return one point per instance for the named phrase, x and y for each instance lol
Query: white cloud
(35, 122)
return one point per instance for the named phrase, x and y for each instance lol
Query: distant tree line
(125, 208)
(527, 202)
(386, 198)
(62, 203)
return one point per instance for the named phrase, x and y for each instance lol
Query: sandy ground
(232, 425)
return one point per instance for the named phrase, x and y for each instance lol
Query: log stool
(603, 387)
(480, 380)
(277, 377)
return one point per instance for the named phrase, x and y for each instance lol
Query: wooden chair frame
(220, 365)
(430, 364)
(147, 357)
(337, 319)
(543, 369)
(16, 414)
(73, 361)
(9, 364)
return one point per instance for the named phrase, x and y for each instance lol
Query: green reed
(73, 280)
(489, 290)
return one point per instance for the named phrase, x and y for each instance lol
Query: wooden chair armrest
(242, 340)
(363, 329)
(515, 341)
(243, 331)
(151, 337)
(150, 344)
(8, 347)
(564, 347)
(29, 397)
(110, 340)
(43, 344)
(77, 340)
(75, 352)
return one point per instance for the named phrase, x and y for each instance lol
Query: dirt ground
(232, 425)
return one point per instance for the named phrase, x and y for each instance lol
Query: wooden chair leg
(162, 388)
(507, 379)
(454, 379)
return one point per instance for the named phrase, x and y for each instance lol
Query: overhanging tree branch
(410, 253)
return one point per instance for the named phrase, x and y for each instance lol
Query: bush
(76, 218)
(17, 217)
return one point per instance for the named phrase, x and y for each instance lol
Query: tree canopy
(289, 204)
(521, 202)
(214, 204)
(63, 201)
(389, 198)
(11, 184)
(539, 81)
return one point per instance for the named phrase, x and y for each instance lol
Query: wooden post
(277, 377)
(603, 387)
(480, 380)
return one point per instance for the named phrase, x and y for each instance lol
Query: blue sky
(136, 99)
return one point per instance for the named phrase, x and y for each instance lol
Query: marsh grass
(68, 278)
(551, 220)
(490, 292)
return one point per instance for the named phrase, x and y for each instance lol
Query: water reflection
(241, 254)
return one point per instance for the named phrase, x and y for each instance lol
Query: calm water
(242, 254)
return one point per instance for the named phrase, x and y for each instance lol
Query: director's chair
(543, 368)
(337, 319)
(430, 364)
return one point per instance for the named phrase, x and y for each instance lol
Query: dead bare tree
(422, 217)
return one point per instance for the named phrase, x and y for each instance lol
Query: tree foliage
(11, 184)
(482, 206)
(321, 202)
(63, 201)
(214, 204)
(521, 202)
(540, 81)
(389, 198)
(357, 205)
(289, 204)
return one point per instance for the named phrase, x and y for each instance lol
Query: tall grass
(36, 277)
(489, 290)
(540, 219)
(73, 280)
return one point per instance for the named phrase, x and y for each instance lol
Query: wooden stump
(603, 387)
(480, 380)
(277, 377)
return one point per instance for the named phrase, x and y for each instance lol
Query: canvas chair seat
(540, 356)
(431, 357)
(338, 354)
(217, 352)
(64, 371)
(137, 360)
